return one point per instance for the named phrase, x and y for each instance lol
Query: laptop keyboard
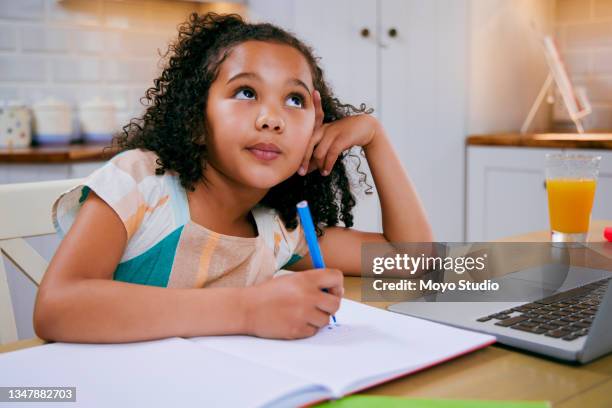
(567, 315)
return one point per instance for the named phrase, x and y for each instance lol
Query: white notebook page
(164, 373)
(366, 344)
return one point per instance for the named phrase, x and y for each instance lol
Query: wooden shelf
(56, 154)
(554, 140)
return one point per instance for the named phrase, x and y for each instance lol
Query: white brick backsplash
(9, 93)
(77, 69)
(77, 94)
(22, 9)
(120, 97)
(22, 68)
(136, 94)
(599, 89)
(602, 62)
(137, 44)
(127, 14)
(124, 117)
(585, 40)
(117, 95)
(33, 94)
(80, 12)
(8, 38)
(577, 62)
(88, 41)
(45, 39)
(168, 15)
(601, 118)
(139, 71)
(75, 50)
(579, 36)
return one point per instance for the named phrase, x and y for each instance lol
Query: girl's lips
(266, 155)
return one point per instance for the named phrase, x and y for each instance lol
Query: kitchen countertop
(555, 140)
(87, 153)
(56, 154)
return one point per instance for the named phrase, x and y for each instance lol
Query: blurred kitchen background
(451, 80)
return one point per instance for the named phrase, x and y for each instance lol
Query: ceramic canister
(52, 121)
(15, 125)
(97, 120)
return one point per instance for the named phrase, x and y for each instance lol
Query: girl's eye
(295, 98)
(247, 92)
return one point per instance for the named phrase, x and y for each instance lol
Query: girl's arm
(79, 302)
(403, 216)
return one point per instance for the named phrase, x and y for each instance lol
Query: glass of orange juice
(571, 180)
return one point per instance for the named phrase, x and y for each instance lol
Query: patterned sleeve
(127, 183)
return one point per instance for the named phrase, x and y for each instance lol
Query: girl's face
(260, 114)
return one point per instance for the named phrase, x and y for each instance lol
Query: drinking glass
(571, 180)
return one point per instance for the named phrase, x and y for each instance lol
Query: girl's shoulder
(149, 205)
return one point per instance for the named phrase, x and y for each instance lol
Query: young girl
(182, 232)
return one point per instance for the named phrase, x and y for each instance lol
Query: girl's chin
(264, 180)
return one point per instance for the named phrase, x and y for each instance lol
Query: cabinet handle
(365, 33)
(392, 32)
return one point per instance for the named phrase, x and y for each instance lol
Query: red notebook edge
(410, 372)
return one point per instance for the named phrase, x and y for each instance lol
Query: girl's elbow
(45, 319)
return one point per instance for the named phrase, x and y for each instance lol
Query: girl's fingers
(336, 291)
(320, 152)
(318, 318)
(327, 278)
(331, 157)
(328, 303)
(316, 136)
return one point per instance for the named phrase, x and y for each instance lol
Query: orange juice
(569, 204)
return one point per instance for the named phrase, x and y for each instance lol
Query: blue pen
(311, 237)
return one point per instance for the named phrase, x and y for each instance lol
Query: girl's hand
(330, 139)
(293, 306)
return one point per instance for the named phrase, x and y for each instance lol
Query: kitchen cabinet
(506, 190)
(406, 59)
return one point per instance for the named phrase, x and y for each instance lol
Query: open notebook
(367, 346)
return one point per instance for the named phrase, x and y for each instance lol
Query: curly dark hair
(173, 125)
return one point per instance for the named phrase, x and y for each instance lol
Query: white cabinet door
(423, 71)
(350, 62)
(506, 191)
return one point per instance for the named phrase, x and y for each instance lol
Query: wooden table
(496, 372)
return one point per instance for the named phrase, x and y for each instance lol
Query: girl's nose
(270, 122)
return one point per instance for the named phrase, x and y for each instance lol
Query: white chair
(25, 211)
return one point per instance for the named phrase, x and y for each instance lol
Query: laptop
(572, 322)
